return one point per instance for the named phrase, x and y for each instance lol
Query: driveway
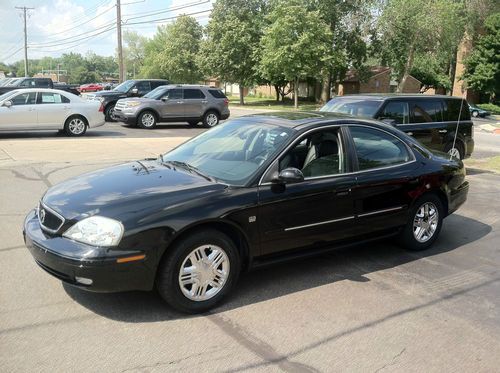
(372, 308)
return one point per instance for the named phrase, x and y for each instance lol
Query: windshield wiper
(188, 167)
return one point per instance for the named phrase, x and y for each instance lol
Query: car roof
(39, 90)
(191, 86)
(384, 96)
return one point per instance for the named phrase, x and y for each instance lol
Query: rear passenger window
(52, 98)
(396, 110)
(375, 148)
(424, 111)
(217, 93)
(193, 93)
(453, 108)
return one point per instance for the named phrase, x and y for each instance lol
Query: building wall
(411, 85)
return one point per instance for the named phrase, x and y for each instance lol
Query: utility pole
(25, 10)
(119, 37)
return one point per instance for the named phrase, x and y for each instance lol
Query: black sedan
(252, 191)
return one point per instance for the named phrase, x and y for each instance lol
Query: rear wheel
(147, 120)
(475, 113)
(210, 119)
(198, 271)
(456, 151)
(75, 126)
(424, 223)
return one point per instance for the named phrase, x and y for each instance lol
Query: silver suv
(174, 103)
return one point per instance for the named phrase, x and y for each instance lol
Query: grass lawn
(491, 164)
(266, 103)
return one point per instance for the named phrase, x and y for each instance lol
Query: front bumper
(72, 261)
(125, 118)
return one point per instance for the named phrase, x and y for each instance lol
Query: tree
(172, 53)
(295, 44)
(134, 50)
(482, 67)
(411, 27)
(232, 39)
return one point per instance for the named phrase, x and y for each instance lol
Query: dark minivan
(432, 120)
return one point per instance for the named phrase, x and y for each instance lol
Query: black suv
(129, 88)
(432, 120)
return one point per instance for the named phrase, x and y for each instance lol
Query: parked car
(250, 192)
(91, 87)
(476, 111)
(174, 103)
(19, 83)
(48, 109)
(432, 120)
(129, 88)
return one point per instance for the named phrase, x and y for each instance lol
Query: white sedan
(48, 109)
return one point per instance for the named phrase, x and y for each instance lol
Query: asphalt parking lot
(374, 308)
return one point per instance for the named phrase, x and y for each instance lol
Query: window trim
(22, 93)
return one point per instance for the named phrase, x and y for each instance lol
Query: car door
(53, 109)
(385, 166)
(195, 102)
(21, 115)
(172, 104)
(312, 212)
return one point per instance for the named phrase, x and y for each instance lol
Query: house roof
(352, 75)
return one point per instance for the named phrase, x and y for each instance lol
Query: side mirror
(7, 103)
(134, 91)
(164, 99)
(290, 175)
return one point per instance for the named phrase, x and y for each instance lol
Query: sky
(61, 26)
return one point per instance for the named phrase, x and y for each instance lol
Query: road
(373, 308)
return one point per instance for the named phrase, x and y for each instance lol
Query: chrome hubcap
(212, 120)
(425, 222)
(204, 273)
(454, 153)
(148, 120)
(76, 126)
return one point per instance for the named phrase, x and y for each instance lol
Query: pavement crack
(392, 362)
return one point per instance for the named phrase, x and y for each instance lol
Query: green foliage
(296, 43)
(482, 71)
(230, 50)
(172, 53)
(134, 50)
(494, 109)
(431, 71)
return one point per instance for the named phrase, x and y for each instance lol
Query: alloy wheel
(148, 120)
(76, 126)
(425, 222)
(212, 119)
(454, 152)
(204, 272)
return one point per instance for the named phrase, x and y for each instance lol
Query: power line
(12, 54)
(54, 44)
(171, 9)
(65, 40)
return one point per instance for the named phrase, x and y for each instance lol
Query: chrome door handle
(179, 102)
(443, 131)
(343, 192)
(410, 133)
(204, 101)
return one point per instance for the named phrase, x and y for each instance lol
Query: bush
(494, 109)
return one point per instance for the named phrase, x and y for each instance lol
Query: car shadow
(56, 135)
(352, 264)
(477, 171)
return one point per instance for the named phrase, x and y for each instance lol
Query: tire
(457, 150)
(108, 113)
(75, 126)
(147, 120)
(413, 237)
(210, 119)
(193, 123)
(187, 297)
(475, 113)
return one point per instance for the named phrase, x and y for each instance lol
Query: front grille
(120, 106)
(49, 219)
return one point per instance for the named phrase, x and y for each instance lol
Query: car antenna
(458, 123)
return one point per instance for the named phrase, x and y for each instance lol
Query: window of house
(375, 148)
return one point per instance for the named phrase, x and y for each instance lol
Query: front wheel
(109, 113)
(75, 126)
(210, 119)
(424, 223)
(147, 120)
(475, 113)
(198, 271)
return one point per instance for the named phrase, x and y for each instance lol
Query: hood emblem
(41, 215)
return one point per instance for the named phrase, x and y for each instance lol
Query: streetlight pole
(25, 10)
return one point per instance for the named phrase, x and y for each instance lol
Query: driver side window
(317, 154)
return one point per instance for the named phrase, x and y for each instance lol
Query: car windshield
(14, 82)
(360, 107)
(125, 86)
(6, 95)
(156, 93)
(232, 152)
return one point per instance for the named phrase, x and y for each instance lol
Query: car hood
(110, 94)
(128, 189)
(139, 99)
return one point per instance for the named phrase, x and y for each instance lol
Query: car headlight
(100, 99)
(96, 231)
(132, 103)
